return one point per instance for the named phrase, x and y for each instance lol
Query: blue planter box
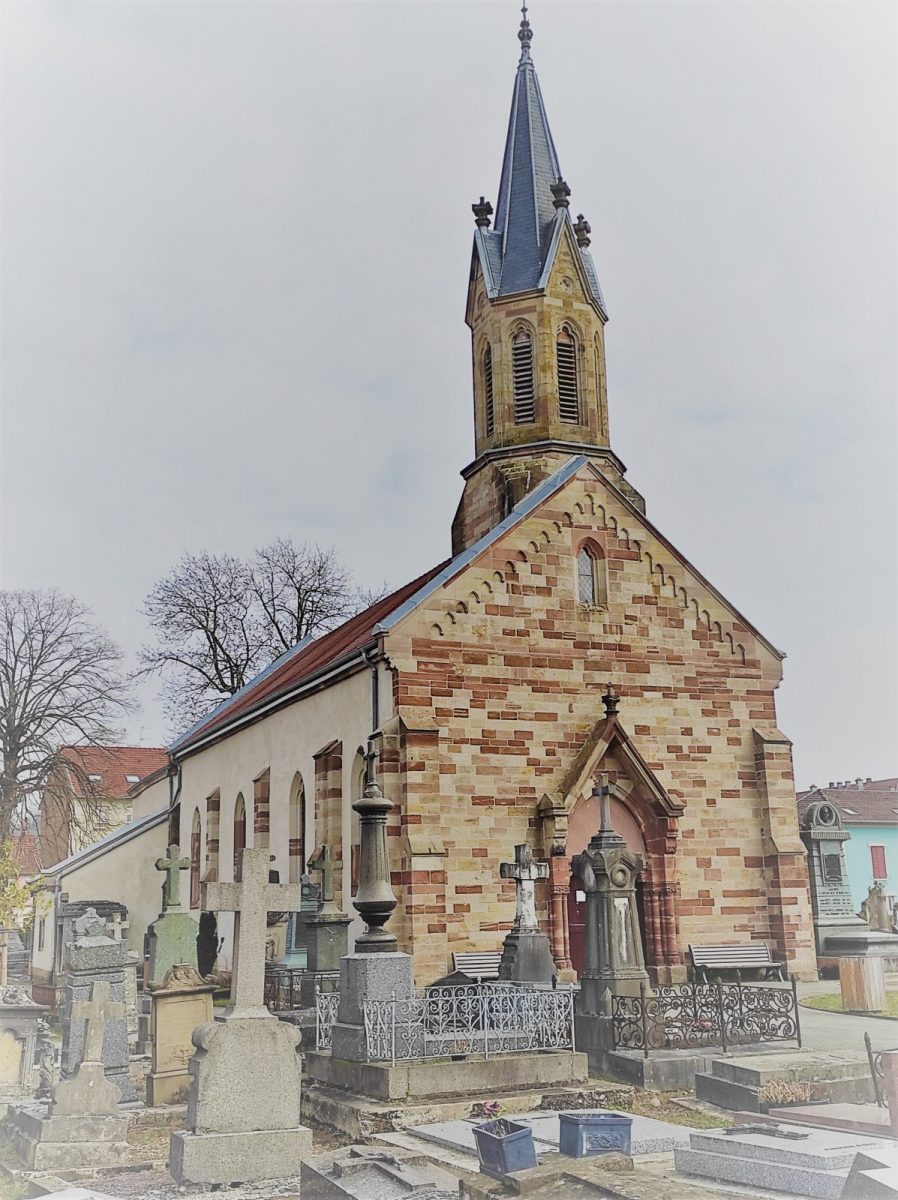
(504, 1147)
(583, 1134)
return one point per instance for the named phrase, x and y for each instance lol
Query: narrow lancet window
(488, 390)
(568, 390)
(592, 587)
(522, 371)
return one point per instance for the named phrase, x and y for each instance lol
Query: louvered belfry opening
(488, 389)
(522, 371)
(568, 392)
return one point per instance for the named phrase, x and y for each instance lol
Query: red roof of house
(112, 766)
(330, 648)
(25, 855)
(859, 801)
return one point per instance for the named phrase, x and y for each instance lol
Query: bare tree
(61, 682)
(209, 638)
(301, 590)
(218, 621)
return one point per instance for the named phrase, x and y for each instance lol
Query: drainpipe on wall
(174, 797)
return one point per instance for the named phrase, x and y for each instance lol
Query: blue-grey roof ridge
(522, 509)
(117, 837)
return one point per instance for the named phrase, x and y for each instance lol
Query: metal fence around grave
(482, 1020)
(283, 984)
(690, 1016)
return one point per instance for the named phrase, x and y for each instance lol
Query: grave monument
(838, 930)
(171, 938)
(95, 957)
(181, 1003)
(243, 1104)
(325, 929)
(613, 961)
(526, 953)
(83, 1124)
(20, 1022)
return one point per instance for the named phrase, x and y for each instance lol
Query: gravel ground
(158, 1185)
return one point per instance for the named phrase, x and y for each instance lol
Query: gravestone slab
(181, 1004)
(20, 1020)
(811, 1163)
(526, 953)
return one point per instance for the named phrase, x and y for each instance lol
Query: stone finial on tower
(525, 33)
(582, 230)
(611, 700)
(560, 193)
(482, 211)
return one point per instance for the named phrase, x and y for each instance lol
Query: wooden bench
(755, 956)
(478, 966)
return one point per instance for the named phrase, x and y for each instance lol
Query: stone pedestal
(364, 977)
(171, 942)
(526, 958)
(863, 985)
(179, 1006)
(244, 1105)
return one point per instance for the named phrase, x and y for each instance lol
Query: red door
(576, 923)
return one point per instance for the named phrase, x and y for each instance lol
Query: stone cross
(322, 864)
(525, 870)
(171, 888)
(251, 900)
(603, 791)
(96, 1012)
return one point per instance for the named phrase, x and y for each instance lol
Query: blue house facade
(869, 811)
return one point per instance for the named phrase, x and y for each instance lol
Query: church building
(565, 639)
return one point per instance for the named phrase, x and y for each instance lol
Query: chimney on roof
(831, 784)
(812, 788)
(869, 779)
(858, 783)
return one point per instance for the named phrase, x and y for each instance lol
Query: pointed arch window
(592, 585)
(239, 836)
(196, 839)
(522, 376)
(488, 389)
(568, 383)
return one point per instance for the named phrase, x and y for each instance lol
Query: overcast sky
(236, 239)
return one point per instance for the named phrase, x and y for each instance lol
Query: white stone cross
(95, 1012)
(525, 870)
(251, 900)
(171, 887)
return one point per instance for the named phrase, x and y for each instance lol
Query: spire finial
(525, 33)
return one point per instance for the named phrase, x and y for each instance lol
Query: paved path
(827, 1030)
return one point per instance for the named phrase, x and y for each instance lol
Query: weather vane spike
(525, 33)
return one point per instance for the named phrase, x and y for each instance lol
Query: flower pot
(584, 1134)
(504, 1147)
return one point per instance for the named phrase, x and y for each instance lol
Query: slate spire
(525, 212)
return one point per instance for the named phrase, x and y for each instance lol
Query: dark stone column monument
(526, 954)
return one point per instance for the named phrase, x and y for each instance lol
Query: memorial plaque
(182, 1003)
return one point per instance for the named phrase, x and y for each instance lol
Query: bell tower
(537, 320)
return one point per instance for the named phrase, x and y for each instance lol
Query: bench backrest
(757, 954)
(479, 965)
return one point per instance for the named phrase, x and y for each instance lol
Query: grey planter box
(504, 1147)
(584, 1134)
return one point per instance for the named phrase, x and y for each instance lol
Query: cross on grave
(251, 900)
(322, 864)
(96, 1012)
(603, 791)
(525, 870)
(116, 927)
(171, 888)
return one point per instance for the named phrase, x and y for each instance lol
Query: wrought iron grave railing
(327, 1001)
(690, 1016)
(487, 1020)
(283, 986)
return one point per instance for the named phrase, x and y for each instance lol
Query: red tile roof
(25, 855)
(326, 650)
(113, 765)
(870, 802)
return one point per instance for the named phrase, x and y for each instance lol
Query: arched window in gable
(490, 415)
(568, 381)
(239, 836)
(592, 580)
(522, 377)
(297, 820)
(196, 841)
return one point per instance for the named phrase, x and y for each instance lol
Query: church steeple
(537, 319)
